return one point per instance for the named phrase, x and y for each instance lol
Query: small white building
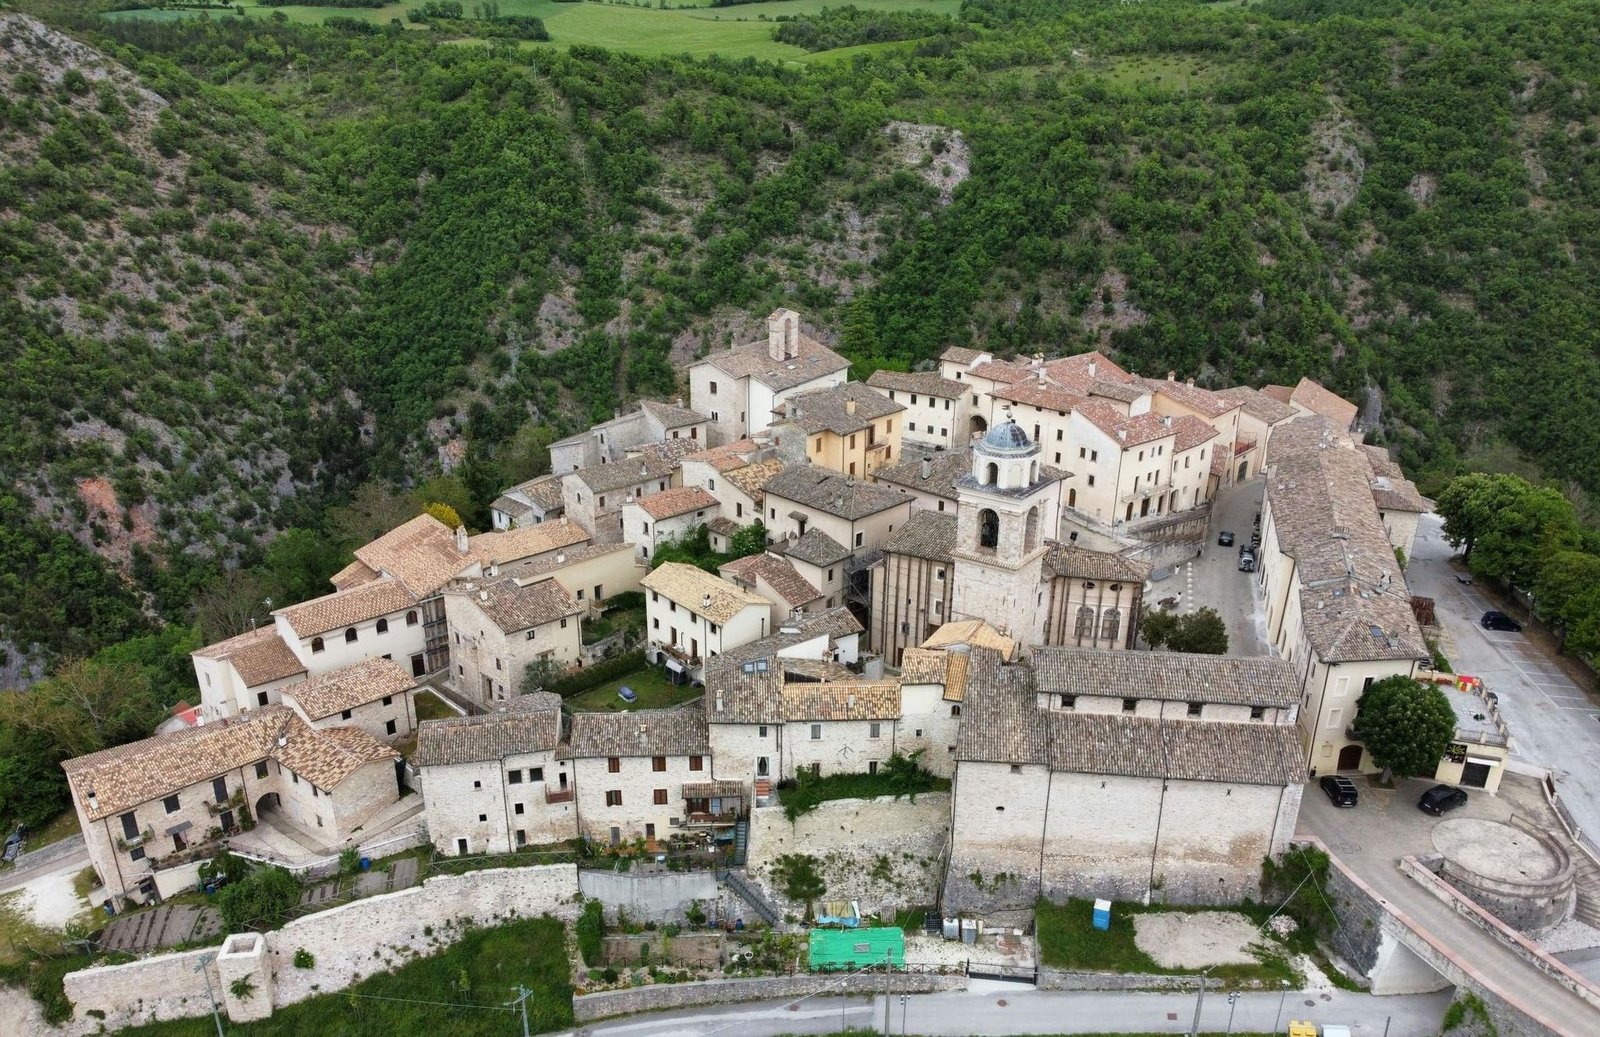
(632, 772)
(244, 672)
(693, 615)
(738, 389)
(845, 726)
(528, 503)
(857, 515)
(776, 579)
(375, 696)
(498, 628)
(666, 517)
(498, 781)
(592, 573)
(936, 414)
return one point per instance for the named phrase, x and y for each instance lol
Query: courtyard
(649, 684)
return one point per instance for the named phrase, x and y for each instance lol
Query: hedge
(599, 673)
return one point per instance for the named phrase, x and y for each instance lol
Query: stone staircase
(751, 894)
(741, 841)
(1586, 877)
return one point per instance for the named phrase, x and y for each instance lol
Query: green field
(651, 685)
(689, 27)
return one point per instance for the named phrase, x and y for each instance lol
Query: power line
(441, 1004)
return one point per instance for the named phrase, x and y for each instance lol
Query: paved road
(1213, 579)
(1001, 1008)
(1371, 838)
(1554, 723)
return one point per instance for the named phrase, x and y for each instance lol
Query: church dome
(1006, 438)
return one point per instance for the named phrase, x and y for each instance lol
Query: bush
(259, 901)
(589, 928)
(304, 959)
(599, 673)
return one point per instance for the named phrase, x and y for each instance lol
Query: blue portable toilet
(1102, 914)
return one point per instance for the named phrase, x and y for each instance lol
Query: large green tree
(1406, 725)
(1505, 525)
(1567, 596)
(1201, 631)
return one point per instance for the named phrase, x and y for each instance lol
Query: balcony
(708, 820)
(556, 795)
(1243, 446)
(677, 652)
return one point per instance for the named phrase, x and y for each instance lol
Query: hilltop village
(952, 567)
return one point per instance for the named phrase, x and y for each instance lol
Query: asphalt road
(1213, 578)
(1002, 1008)
(1554, 723)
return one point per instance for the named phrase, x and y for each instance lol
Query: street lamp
(904, 1000)
(1277, 1018)
(200, 967)
(1233, 1001)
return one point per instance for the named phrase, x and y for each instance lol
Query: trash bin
(366, 864)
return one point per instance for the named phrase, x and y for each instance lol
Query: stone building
(1095, 598)
(776, 579)
(528, 503)
(592, 573)
(500, 627)
(245, 672)
(856, 515)
(1399, 503)
(1130, 776)
(848, 428)
(739, 389)
(496, 782)
(693, 615)
(504, 548)
(935, 416)
(643, 774)
(845, 726)
(914, 586)
(665, 517)
(933, 683)
(653, 422)
(376, 696)
(1259, 414)
(593, 497)
(1310, 398)
(822, 562)
(150, 809)
(930, 479)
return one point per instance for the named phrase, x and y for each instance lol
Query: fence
(325, 867)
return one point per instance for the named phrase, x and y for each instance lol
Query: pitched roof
(840, 409)
(1255, 680)
(1258, 404)
(928, 534)
(751, 360)
(729, 456)
(354, 574)
(348, 607)
(834, 494)
(543, 493)
(325, 694)
(260, 656)
(1194, 397)
(1192, 432)
(777, 573)
(552, 564)
(1035, 393)
(1083, 564)
(525, 724)
(680, 500)
(736, 695)
(503, 547)
(153, 768)
(421, 554)
(723, 526)
(960, 354)
(616, 475)
(853, 700)
(929, 383)
(1001, 372)
(1081, 371)
(814, 547)
(1312, 396)
(974, 632)
(669, 415)
(1127, 432)
(753, 478)
(643, 732)
(514, 604)
(1391, 490)
(700, 592)
(945, 468)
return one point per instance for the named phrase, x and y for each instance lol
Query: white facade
(500, 806)
(622, 798)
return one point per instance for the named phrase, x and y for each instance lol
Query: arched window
(1085, 621)
(1033, 473)
(955, 711)
(350, 635)
(411, 618)
(1072, 498)
(991, 474)
(1030, 537)
(1110, 624)
(316, 644)
(988, 529)
(383, 626)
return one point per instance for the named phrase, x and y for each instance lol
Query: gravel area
(1193, 940)
(50, 900)
(989, 950)
(1571, 935)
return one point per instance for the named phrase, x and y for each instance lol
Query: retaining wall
(650, 898)
(662, 997)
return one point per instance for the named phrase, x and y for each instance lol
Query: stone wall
(884, 852)
(649, 898)
(348, 944)
(1058, 979)
(661, 997)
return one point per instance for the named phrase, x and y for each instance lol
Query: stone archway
(979, 426)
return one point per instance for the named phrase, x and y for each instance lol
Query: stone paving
(164, 926)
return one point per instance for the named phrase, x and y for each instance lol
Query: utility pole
(200, 967)
(1233, 1001)
(520, 1003)
(1199, 1000)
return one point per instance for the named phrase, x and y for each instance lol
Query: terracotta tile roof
(831, 410)
(543, 493)
(1000, 722)
(814, 547)
(139, 772)
(644, 732)
(553, 564)
(1002, 372)
(737, 695)
(856, 700)
(1192, 432)
(1169, 676)
(347, 608)
(1391, 490)
(729, 456)
(975, 632)
(712, 789)
(420, 553)
(671, 416)
(1312, 396)
(1187, 394)
(1126, 431)
(690, 587)
(960, 355)
(928, 534)
(753, 478)
(834, 494)
(325, 694)
(610, 476)
(777, 573)
(723, 526)
(798, 671)
(922, 666)
(1083, 564)
(945, 467)
(929, 383)
(503, 547)
(1083, 370)
(354, 574)
(525, 724)
(512, 604)
(1034, 393)
(955, 676)
(259, 656)
(680, 500)
(813, 360)
(1123, 392)
(1258, 404)
(1279, 393)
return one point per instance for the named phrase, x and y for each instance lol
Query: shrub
(599, 673)
(589, 928)
(303, 959)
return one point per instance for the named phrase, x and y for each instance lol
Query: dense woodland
(255, 272)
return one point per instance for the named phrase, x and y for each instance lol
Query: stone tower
(1006, 508)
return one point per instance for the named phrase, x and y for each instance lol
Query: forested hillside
(250, 263)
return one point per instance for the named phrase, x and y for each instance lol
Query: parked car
(1247, 560)
(1342, 791)
(1225, 538)
(1441, 799)
(1495, 620)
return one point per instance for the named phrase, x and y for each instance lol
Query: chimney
(1122, 434)
(1189, 382)
(94, 803)
(1172, 376)
(483, 595)
(927, 468)
(561, 558)
(461, 540)
(850, 700)
(705, 601)
(719, 702)
(643, 737)
(849, 406)
(1166, 421)
(783, 334)
(563, 519)
(1091, 369)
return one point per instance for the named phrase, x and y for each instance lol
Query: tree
(374, 509)
(1567, 592)
(444, 513)
(258, 901)
(527, 455)
(798, 875)
(1156, 626)
(537, 675)
(1406, 725)
(298, 564)
(240, 600)
(86, 706)
(1201, 631)
(449, 490)
(1506, 525)
(750, 540)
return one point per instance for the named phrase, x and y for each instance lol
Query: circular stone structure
(1524, 879)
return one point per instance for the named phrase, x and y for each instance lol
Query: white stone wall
(638, 781)
(723, 407)
(645, 534)
(853, 838)
(997, 828)
(929, 420)
(827, 579)
(874, 529)
(397, 926)
(399, 642)
(928, 723)
(476, 802)
(845, 746)
(487, 663)
(736, 750)
(1093, 459)
(375, 717)
(1402, 529)
(1070, 594)
(679, 624)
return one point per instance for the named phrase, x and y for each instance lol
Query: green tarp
(856, 948)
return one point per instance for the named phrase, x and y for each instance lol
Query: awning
(1486, 761)
(179, 829)
(674, 665)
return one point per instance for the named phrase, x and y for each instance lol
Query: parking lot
(1213, 579)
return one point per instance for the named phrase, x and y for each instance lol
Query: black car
(1342, 791)
(1494, 620)
(1441, 799)
(1225, 538)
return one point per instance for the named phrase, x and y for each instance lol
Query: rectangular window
(518, 809)
(522, 837)
(713, 388)
(1257, 712)
(1129, 705)
(137, 854)
(130, 826)
(661, 797)
(658, 763)
(219, 789)
(874, 730)
(816, 732)
(514, 777)
(614, 798)
(1194, 709)
(536, 774)
(613, 764)
(1069, 701)
(388, 700)
(872, 766)
(763, 731)
(389, 728)
(345, 715)
(1091, 480)
(860, 539)
(1334, 716)
(697, 763)
(171, 804)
